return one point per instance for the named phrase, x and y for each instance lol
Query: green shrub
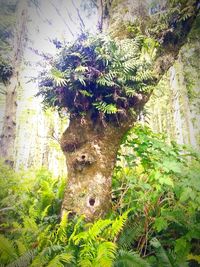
(161, 183)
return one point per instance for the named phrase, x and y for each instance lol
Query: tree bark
(8, 135)
(176, 106)
(7, 138)
(90, 152)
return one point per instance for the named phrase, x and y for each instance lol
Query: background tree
(16, 11)
(159, 111)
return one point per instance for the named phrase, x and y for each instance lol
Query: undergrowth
(154, 220)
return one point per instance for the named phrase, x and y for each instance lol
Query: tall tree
(12, 83)
(103, 82)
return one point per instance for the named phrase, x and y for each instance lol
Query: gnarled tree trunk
(91, 149)
(91, 152)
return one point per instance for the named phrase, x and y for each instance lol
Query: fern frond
(87, 255)
(81, 69)
(161, 254)
(61, 234)
(118, 225)
(85, 263)
(21, 248)
(130, 65)
(55, 262)
(45, 212)
(61, 259)
(30, 224)
(76, 227)
(106, 252)
(66, 257)
(98, 228)
(24, 260)
(143, 75)
(129, 259)
(92, 232)
(58, 77)
(129, 91)
(43, 257)
(105, 108)
(7, 250)
(130, 234)
(85, 93)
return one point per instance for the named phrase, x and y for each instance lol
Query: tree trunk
(176, 106)
(91, 156)
(8, 135)
(91, 149)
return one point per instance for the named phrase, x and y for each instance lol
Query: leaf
(105, 254)
(160, 224)
(85, 93)
(58, 77)
(81, 69)
(161, 254)
(171, 165)
(118, 225)
(7, 250)
(129, 259)
(186, 194)
(105, 108)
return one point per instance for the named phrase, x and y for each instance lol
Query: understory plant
(161, 184)
(154, 220)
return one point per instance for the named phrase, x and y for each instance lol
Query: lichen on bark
(90, 151)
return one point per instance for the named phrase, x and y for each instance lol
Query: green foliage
(171, 16)
(154, 219)
(129, 259)
(5, 71)
(93, 74)
(7, 21)
(33, 234)
(160, 182)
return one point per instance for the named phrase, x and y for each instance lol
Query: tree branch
(82, 24)
(64, 21)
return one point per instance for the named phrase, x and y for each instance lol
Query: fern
(129, 91)
(61, 260)
(58, 77)
(61, 234)
(92, 233)
(130, 66)
(7, 250)
(85, 93)
(130, 234)
(94, 67)
(143, 75)
(105, 108)
(45, 255)
(161, 254)
(106, 253)
(24, 260)
(118, 225)
(129, 259)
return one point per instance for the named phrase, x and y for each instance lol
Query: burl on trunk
(90, 152)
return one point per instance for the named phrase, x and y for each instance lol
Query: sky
(57, 19)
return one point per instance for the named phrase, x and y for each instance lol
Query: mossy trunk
(91, 155)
